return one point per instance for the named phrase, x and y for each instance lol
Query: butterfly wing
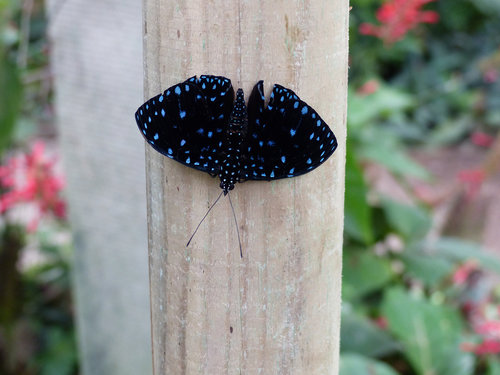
(285, 139)
(187, 121)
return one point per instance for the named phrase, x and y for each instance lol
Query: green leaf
(451, 130)
(354, 364)
(363, 272)
(493, 366)
(487, 6)
(357, 221)
(59, 357)
(428, 269)
(395, 160)
(460, 250)
(10, 100)
(362, 336)
(492, 118)
(431, 334)
(366, 109)
(410, 221)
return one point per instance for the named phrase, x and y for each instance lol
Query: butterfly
(202, 124)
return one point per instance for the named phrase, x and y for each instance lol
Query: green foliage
(36, 323)
(375, 142)
(459, 251)
(430, 270)
(25, 86)
(364, 272)
(493, 366)
(409, 221)
(362, 336)
(357, 219)
(36, 314)
(430, 333)
(385, 102)
(59, 356)
(441, 71)
(10, 102)
(355, 364)
(434, 87)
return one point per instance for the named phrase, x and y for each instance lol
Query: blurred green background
(421, 244)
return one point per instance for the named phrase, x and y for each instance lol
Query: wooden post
(277, 310)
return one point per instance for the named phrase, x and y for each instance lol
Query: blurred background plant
(420, 292)
(419, 286)
(36, 317)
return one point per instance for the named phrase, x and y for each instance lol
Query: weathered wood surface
(277, 310)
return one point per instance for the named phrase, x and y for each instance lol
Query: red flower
(31, 178)
(397, 17)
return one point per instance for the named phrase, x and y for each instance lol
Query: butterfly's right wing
(286, 138)
(187, 121)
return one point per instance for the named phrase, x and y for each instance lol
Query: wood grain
(277, 310)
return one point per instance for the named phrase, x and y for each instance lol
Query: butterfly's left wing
(187, 121)
(285, 139)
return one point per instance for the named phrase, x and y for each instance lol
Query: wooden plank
(277, 310)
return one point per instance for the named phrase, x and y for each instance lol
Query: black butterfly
(199, 124)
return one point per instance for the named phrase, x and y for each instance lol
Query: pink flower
(472, 180)
(369, 87)
(381, 322)
(397, 17)
(490, 75)
(31, 178)
(489, 328)
(463, 272)
(485, 347)
(481, 139)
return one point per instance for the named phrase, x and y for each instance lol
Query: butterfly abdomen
(231, 147)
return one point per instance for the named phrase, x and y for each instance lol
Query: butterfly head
(240, 95)
(226, 186)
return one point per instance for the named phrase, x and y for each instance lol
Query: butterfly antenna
(210, 209)
(236, 222)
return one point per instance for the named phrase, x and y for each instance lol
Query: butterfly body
(230, 170)
(200, 124)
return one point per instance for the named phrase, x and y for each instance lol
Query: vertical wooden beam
(277, 310)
